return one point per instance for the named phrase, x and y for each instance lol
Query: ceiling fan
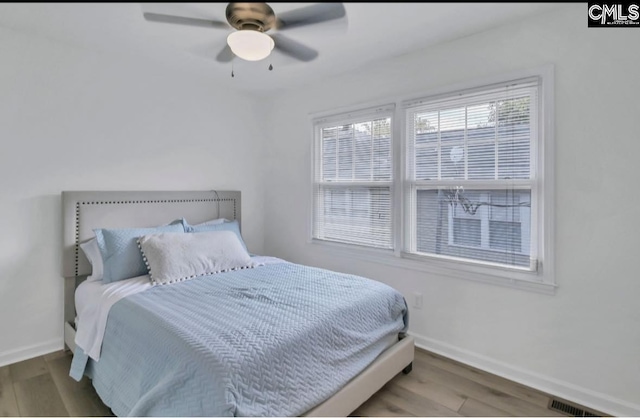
(252, 21)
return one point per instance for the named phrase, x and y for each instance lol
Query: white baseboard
(31, 351)
(564, 390)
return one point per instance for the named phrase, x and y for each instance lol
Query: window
(353, 178)
(471, 176)
(467, 193)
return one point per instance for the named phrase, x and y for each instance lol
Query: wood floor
(436, 387)
(441, 387)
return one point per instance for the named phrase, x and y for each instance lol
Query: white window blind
(471, 175)
(353, 178)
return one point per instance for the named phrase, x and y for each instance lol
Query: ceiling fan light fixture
(250, 45)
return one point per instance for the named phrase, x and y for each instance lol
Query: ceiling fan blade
(293, 48)
(225, 54)
(180, 20)
(321, 12)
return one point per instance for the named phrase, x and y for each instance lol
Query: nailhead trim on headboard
(119, 202)
(77, 235)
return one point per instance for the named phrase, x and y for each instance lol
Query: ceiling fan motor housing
(251, 16)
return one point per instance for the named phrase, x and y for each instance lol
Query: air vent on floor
(570, 409)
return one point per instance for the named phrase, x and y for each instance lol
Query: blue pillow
(232, 226)
(120, 253)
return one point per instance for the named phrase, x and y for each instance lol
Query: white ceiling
(370, 32)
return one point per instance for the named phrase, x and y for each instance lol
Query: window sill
(457, 270)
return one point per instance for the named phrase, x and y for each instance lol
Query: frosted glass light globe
(250, 45)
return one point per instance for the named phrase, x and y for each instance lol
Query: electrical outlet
(417, 300)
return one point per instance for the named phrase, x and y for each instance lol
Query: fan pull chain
(233, 74)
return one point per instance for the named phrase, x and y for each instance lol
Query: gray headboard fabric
(83, 211)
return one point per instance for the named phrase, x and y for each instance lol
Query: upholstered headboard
(85, 210)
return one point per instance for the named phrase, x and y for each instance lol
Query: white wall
(72, 119)
(581, 343)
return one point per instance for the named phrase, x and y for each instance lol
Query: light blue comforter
(272, 341)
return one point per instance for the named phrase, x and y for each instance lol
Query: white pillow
(92, 251)
(212, 222)
(173, 258)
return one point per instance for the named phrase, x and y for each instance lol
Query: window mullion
(372, 153)
(439, 138)
(523, 184)
(337, 154)
(495, 142)
(465, 146)
(353, 151)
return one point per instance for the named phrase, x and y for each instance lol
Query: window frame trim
(543, 280)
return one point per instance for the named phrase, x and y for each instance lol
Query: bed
(198, 347)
